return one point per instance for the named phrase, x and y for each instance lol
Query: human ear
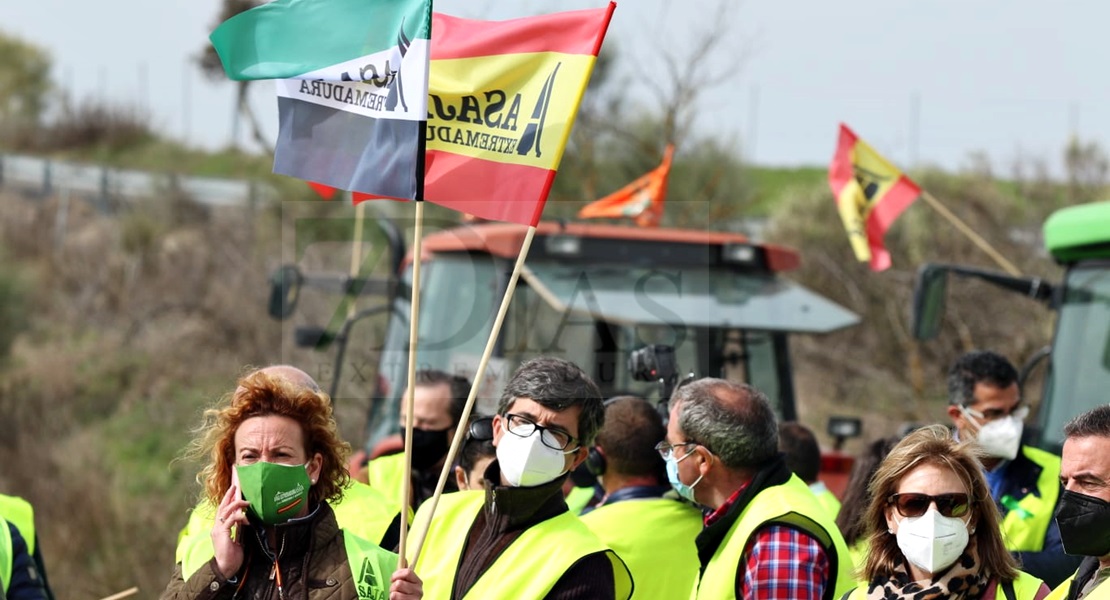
(579, 456)
(498, 429)
(315, 465)
(460, 478)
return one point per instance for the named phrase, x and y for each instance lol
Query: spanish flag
(641, 200)
(503, 96)
(870, 194)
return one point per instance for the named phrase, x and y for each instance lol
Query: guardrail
(44, 177)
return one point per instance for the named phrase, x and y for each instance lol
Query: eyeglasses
(666, 449)
(556, 439)
(1019, 412)
(915, 505)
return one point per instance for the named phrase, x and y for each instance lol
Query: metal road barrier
(36, 176)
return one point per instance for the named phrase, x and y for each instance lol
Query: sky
(925, 82)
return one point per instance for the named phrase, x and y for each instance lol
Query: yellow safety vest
(578, 498)
(526, 570)
(1101, 591)
(829, 502)
(362, 511)
(20, 513)
(5, 556)
(1024, 526)
(386, 474)
(1025, 588)
(859, 552)
(655, 538)
(791, 503)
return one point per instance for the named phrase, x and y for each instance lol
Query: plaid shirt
(780, 562)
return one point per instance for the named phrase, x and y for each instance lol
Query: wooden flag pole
(970, 233)
(356, 253)
(414, 330)
(464, 420)
(124, 594)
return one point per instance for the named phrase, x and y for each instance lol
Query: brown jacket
(313, 563)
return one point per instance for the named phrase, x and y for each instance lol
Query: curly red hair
(262, 394)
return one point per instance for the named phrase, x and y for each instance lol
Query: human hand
(405, 585)
(231, 515)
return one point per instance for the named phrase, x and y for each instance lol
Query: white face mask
(526, 461)
(1000, 438)
(932, 542)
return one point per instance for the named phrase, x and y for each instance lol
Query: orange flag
(641, 200)
(870, 194)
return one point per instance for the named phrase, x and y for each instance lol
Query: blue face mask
(686, 491)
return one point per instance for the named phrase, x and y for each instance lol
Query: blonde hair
(934, 446)
(262, 394)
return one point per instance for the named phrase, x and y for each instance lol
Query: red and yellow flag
(870, 194)
(641, 200)
(503, 96)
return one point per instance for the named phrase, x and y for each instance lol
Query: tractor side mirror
(929, 292)
(285, 288)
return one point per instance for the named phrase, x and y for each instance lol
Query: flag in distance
(641, 200)
(503, 98)
(870, 194)
(352, 87)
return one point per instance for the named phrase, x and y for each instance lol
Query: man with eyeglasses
(985, 405)
(766, 537)
(516, 538)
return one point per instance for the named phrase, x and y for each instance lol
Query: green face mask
(276, 492)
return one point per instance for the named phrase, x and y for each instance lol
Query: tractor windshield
(1080, 374)
(722, 322)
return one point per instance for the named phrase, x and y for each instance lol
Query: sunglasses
(915, 505)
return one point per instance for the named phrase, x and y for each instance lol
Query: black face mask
(1084, 523)
(428, 447)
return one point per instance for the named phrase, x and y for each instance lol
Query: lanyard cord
(277, 568)
(243, 579)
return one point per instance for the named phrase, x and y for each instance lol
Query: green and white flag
(352, 89)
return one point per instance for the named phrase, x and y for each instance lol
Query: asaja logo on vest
(367, 585)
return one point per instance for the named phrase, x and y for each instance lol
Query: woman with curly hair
(933, 530)
(275, 461)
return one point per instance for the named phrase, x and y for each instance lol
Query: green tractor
(1077, 364)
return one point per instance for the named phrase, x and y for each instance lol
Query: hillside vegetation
(117, 330)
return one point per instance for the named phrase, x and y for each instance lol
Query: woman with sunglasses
(934, 530)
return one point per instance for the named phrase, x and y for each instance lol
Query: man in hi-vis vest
(767, 536)
(653, 533)
(1083, 513)
(516, 539)
(985, 405)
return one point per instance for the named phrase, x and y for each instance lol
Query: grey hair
(557, 384)
(732, 420)
(1095, 422)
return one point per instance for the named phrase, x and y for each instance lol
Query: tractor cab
(595, 294)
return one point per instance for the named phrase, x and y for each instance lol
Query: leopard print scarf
(961, 581)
